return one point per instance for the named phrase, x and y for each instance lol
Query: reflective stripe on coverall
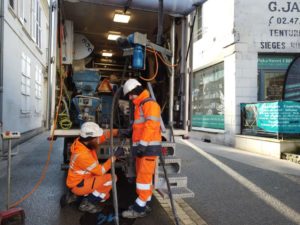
(146, 132)
(85, 174)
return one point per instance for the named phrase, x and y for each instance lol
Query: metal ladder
(177, 182)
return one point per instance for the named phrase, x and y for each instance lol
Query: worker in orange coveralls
(86, 177)
(146, 141)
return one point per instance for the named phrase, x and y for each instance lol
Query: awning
(174, 7)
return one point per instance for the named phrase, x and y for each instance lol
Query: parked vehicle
(86, 69)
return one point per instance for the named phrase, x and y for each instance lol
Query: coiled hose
(113, 171)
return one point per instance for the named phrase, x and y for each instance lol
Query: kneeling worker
(86, 177)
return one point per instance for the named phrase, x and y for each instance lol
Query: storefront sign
(282, 25)
(274, 62)
(208, 121)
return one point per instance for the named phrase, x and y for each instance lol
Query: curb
(185, 213)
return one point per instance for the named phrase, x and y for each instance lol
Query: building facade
(242, 50)
(24, 54)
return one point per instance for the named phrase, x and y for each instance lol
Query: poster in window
(208, 98)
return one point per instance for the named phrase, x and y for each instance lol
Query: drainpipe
(183, 71)
(1, 55)
(53, 9)
(171, 103)
(1, 68)
(189, 74)
(190, 70)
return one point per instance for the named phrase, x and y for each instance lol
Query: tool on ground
(14, 216)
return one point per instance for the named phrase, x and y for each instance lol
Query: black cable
(191, 36)
(160, 22)
(164, 169)
(169, 190)
(114, 186)
(124, 69)
(127, 6)
(168, 183)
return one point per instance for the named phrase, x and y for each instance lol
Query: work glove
(119, 152)
(125, 133)
(140, 150)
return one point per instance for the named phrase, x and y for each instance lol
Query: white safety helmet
(90, 129)
(130, 85)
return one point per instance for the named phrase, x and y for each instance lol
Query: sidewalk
(253, 159)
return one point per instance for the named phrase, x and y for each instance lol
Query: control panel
(11, 135)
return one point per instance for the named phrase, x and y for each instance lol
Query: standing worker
(146, 145)
(86, 177)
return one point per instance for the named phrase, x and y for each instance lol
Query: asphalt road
(233, 187)
(43, 206)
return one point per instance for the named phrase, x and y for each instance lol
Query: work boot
(71, 197)
(132, 214)
(87, 206)
(68, 198)
(148, 209)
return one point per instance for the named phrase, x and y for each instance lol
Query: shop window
(271, 75)
(208, 98)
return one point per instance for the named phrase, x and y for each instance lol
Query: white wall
(236, 31)
(261, 22)
(218, 33)
(17, 40)
(217, 45)
(262, 27)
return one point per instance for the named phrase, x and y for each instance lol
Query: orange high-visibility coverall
(147, 133)
(85, 174)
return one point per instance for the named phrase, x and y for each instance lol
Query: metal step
(171, 159)
(172, 165)
(177, 192)
(168, 144)
(175, 180)
(168, 148)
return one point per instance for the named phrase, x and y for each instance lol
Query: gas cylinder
(138, 57)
